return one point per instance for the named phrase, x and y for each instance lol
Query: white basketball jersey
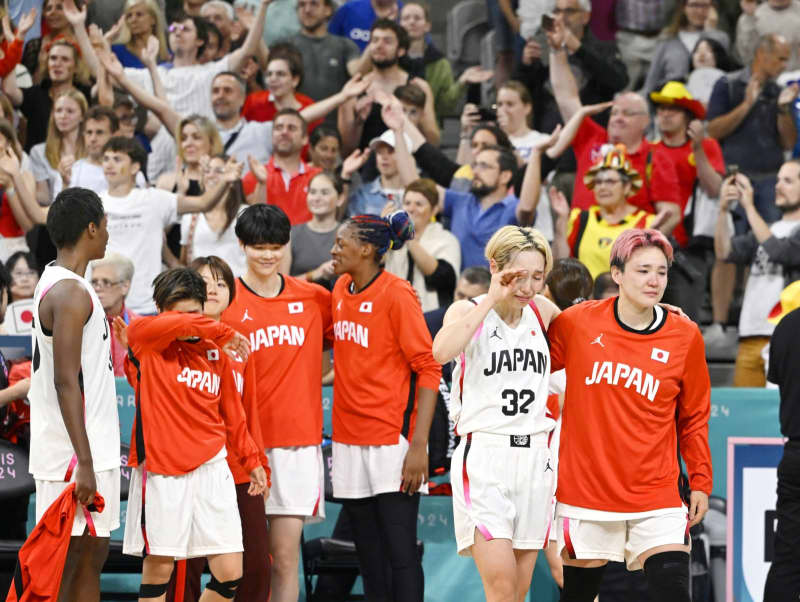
(51, 449)
(500, 381)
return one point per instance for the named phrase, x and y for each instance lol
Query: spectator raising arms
(65, 70)
(773, 253)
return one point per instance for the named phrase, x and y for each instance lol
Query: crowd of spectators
(606, 115)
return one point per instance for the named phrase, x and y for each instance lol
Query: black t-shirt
(784, 358)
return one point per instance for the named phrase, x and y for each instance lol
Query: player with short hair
(382, 415)
(631, 367)
(182, 501)
(74, 422)
(287, 321)
(502, 471)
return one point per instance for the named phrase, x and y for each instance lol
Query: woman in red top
(182, 500)
(283, 75)
(384, 372)
(637, 386)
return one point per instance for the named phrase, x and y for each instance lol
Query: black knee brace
(153, 590)
(226, 589)
(581, 584)
(668, 576)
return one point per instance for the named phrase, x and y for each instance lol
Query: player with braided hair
(385, 389)
(502, 471)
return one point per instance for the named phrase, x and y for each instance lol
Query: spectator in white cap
(372, 197)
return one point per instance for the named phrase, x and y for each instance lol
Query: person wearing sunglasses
(589, 234)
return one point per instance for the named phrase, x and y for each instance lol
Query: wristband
(309, 276)
(346, 181)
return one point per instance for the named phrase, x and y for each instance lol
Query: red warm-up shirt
(244, 375)
(619, 432)
(41, 558)
(380, 340)
(287, 333)
(187, 405)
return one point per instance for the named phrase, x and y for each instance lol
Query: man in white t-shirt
(773, 253)
(186, 82)
(137, 217)
(99, 124)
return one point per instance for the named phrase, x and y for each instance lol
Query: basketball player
(74, 422)
(502, 471)
(631, 368)
(287, 320)
(380, 422)
(182, 501)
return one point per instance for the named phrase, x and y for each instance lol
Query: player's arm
(238, 437)
(415, 342)
(464, 317)
(156, 333)
(694, 410)
(64, 311)
(547, 309)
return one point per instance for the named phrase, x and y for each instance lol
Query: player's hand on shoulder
(698, 506)
(237, 347)
(675, 310)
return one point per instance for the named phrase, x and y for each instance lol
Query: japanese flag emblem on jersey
(212, 355)
(659, 355)
(366, 307)
(296, 308)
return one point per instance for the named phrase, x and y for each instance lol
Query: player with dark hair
(287, 321)
(74, 422)
(568, 283)
(385, 387)
(502, 470)
(182, 501)
(631, 367)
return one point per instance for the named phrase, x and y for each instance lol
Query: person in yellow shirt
(589, 234)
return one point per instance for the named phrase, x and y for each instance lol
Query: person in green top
(425, 60)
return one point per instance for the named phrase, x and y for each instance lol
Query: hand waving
(354, 162)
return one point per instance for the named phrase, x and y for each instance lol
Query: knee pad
(153, 590)
(667, 576)
(581, 584)
(226, 589)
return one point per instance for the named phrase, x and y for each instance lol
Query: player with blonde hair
(502, 471)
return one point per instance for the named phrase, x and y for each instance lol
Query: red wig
(634, 239)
